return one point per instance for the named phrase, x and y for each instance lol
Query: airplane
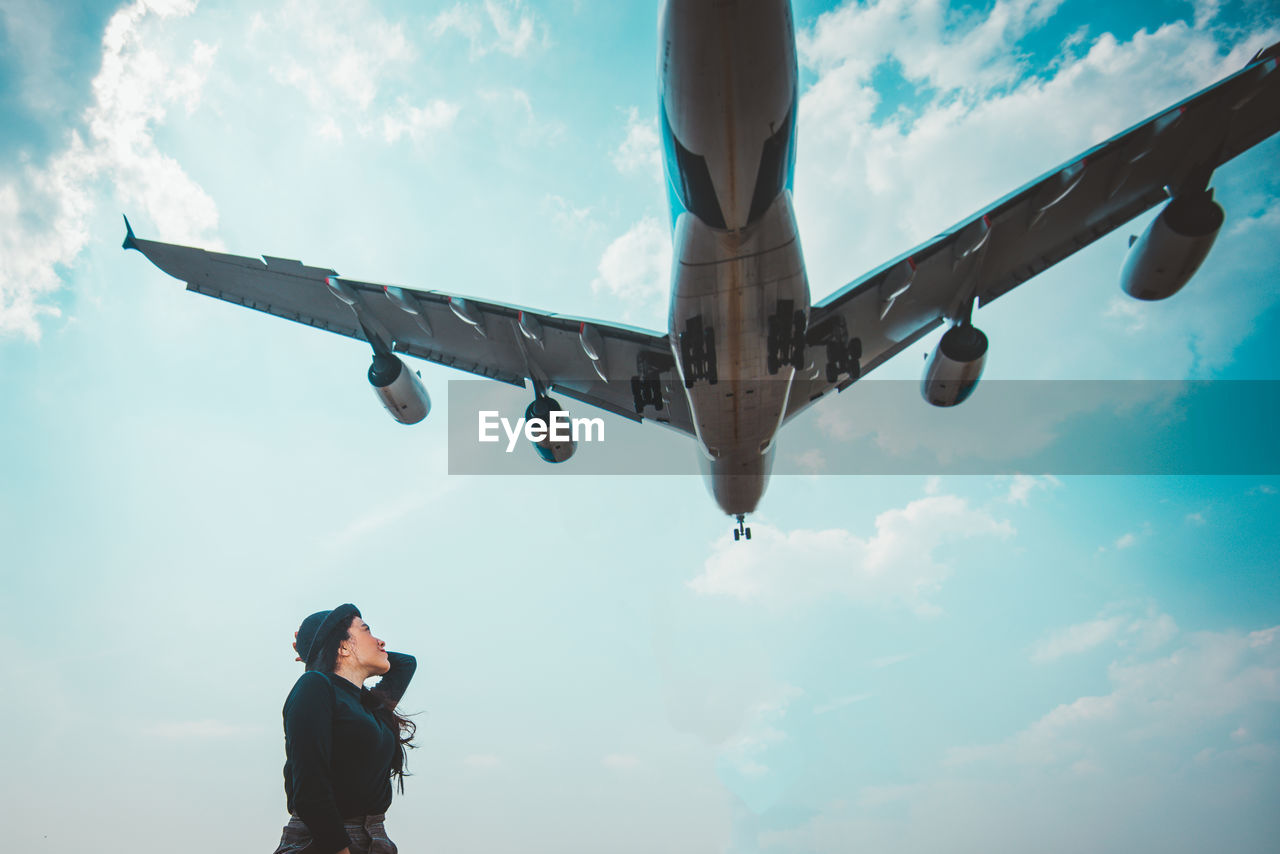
(745, 349)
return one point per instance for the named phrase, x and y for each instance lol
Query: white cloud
(896, 564)
(641, 150)
(1150, 632)
(514, 27)
(1126, 540)
(1268, 220)
(44, 210)
(1264, 638)
(418, 123)
(1022, 485)
(1171, 749)
(344, 53)
(934, 45)
(505, 26)
(1144, 632)
(812, 461)
(512, 109)
(745, 751)
(568, 216)
(1132, 313)
(1206, 11)
(636, 267)
(330, 130)
(1212, 676)
(354, 67)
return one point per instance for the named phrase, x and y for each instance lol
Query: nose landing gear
(742, 530)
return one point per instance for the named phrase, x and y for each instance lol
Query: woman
(343, 742)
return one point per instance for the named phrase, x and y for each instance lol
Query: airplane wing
(1035, 227)
(623, 370)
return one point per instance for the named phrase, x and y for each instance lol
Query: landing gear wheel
(748, 533)
(736, 534)
(742, 530)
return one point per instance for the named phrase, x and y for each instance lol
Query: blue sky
(894, 664)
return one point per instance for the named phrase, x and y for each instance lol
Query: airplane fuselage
(728, 101)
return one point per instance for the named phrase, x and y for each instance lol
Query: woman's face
(365, 650)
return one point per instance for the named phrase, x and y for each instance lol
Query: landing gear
(742, 530)
(844, 356)
(698, 352)
(646, 385)
(785, 340)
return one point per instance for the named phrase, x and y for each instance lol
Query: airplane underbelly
(731, 289)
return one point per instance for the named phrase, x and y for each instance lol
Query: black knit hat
(317, 627)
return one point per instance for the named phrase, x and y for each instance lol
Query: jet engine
(955, 366)
(400, 389)
(1172, 248)
(558, 444)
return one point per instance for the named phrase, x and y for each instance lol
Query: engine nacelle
(400, 389)
(558, 445)
(955, 366)
(1173, 247)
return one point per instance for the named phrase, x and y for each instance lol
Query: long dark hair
(379, 703)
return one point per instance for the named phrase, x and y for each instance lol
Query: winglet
(1272, 52)
(129, 241)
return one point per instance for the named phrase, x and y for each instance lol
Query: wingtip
(129, 241)
(1272, 52)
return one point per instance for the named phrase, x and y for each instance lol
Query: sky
(1039, 661)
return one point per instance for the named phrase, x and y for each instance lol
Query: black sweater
(338, 754)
